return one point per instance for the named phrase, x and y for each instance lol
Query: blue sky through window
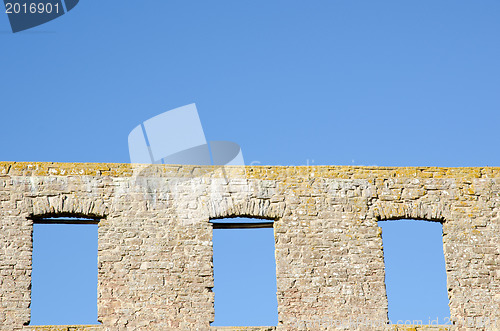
(415, 272)
(64, 277)
(245, 276)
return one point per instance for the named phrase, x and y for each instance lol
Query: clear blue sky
(388, 83)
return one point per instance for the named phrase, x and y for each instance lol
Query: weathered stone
(155, 239)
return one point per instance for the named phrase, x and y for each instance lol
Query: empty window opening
(64, 276)
(415, 272)
(244, 272)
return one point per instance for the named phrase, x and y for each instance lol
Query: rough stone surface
(155, 239)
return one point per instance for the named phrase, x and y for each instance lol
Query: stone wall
(155, 239)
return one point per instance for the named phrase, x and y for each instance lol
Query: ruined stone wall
(155, 239)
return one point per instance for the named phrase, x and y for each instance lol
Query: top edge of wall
(268, 172)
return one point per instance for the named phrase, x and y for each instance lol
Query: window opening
(244, 272)
(415, 272)
(64, 271)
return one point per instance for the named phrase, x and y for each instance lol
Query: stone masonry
(155, 238)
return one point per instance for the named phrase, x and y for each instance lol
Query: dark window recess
(241, 223)
(65, 220)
